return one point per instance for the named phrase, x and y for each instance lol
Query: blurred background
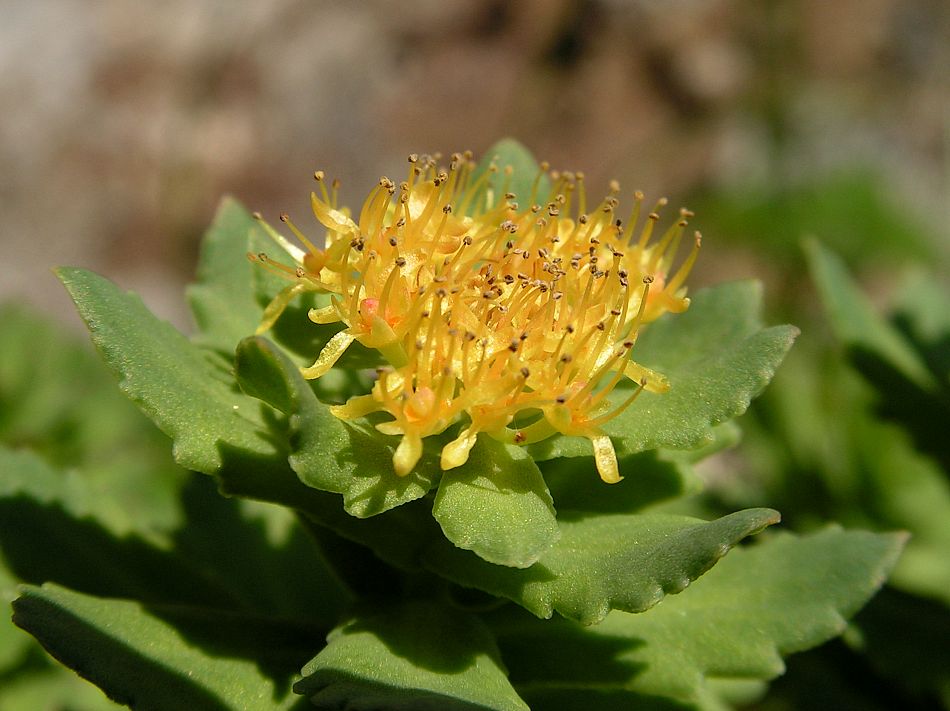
(123, 122)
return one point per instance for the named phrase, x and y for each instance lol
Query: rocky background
(124, 122)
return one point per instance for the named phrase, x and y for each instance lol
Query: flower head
(512, 315)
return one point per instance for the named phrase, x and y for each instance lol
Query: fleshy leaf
(917, 658)
(54, 687)
(784, 595)
(603, 563)
(181, 388)
(717, 358)
(222, 301)
(410, 655)
(327, 453)
(38, 503)
(168, 659)
(648, 478)
(497, 505)
(60, 401)
(221, 557)
(909, 370)
(855, 321)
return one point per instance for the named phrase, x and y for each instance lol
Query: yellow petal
(655, 382)
(325, 314)
(277, 305)
(606, 459)
(390, 428)
(407, 453)
(332, 218)
(356, 407)
(455, 453)
(329, 355)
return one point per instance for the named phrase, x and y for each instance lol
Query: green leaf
(917, 658)
(39, 504)
(330, 455)
(13, 643)
(544, 698)
(261, 554)
(857, 211)
(181, 388)
(603, 563)
(716, 356)
(59, 401)
(168, 658)
(51, 689)
(509, 153)
(221, 557)
(223, 301)
(411, 655)
(855, 321)
(506, 517)
(497, 505)
(648, 478)
(762, 602)
(896, 364)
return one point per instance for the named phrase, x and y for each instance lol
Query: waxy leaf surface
(415, 654)
(761, 603)
(169, 658)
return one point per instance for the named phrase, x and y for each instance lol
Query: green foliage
(416, 654)
(164, 658)
(855, 211)
(851, 434)
(781, 596)
(718, 357)
(326, 579)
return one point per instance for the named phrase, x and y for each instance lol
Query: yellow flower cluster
(514, 315)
